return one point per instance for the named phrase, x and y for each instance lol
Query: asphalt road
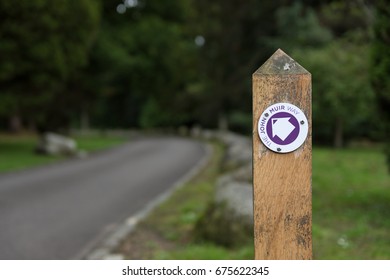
(54, 212)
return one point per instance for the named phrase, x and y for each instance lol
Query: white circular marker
(283, 127)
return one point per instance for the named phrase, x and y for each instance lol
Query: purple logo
(282, 128)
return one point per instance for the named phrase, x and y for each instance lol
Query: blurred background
(82, 65)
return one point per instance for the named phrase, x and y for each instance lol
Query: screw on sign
(282, 159)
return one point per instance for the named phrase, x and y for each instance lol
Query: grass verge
(17, 151)
(351, 212)
(167, 233)
(351, 204)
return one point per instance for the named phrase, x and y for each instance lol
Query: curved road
(55, 211)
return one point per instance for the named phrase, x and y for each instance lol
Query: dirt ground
(143, 243)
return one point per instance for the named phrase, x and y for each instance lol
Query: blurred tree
(380, 68)
(235, 35)
(42, 43)
(331, 41)
(342, 96)
(144, 61)
(346, 17)
(298, 27)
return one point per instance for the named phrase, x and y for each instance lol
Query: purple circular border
(293, 135)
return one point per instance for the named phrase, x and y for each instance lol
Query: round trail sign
(283, 127)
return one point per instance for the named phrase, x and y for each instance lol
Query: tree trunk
(84, 120)
(338, 134)
(15, 123)
(223, 123)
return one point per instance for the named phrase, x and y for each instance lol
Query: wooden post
(282, 180)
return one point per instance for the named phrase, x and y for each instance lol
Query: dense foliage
(42, 44)
(380, 70)
(150, 63)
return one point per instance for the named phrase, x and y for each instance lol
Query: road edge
(101, 247)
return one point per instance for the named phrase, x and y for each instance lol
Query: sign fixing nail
(283, 127)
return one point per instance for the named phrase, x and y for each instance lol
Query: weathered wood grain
(282, 182)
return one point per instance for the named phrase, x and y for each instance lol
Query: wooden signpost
(282, 159)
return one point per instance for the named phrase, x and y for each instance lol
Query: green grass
(17, 151)
(173, 222)
(207, 252)
(351, 211)
(175, 219)
(351, 204)
(96, 143)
